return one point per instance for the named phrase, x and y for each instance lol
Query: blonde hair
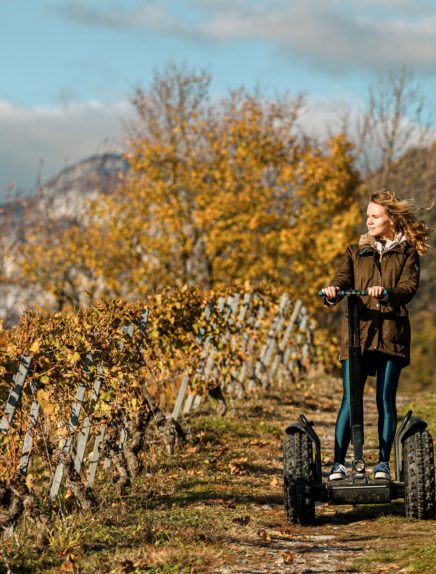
(402, 214)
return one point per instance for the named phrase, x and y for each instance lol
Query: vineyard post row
(262, 362)
(277, 350)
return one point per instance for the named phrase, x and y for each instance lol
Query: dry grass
(217, 506)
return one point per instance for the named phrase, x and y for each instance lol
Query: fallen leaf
(68, 564)
(69, 494)
(264, 535)
(275, 481)
(29, 481)
(288, 557)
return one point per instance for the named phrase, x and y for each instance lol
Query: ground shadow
(360, 513)
(186, 497)
(262, 470)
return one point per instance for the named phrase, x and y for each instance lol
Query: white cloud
(57, 136)
(63, 134)
(404, 5)
(332, 40)
(333, 35)
(146, 16)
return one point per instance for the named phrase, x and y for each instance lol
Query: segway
(414, 461)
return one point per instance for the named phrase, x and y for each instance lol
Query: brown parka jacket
(384, 324)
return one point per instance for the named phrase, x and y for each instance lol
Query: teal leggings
(387, 369)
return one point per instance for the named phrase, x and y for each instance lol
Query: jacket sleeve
(344, 278)
(408, 283)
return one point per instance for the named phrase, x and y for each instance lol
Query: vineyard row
(94, 390)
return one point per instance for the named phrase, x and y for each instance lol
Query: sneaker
(381, 470)
(338, 472)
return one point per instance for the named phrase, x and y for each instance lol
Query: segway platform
(363, 491)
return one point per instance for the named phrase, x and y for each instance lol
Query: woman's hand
(377, 292)
(331, 292)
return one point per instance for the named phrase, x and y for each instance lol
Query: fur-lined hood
(368, 241)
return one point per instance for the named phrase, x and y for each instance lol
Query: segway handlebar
(349, 292)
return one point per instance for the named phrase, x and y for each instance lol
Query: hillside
(65, 195)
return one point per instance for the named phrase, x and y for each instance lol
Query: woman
(387, 257)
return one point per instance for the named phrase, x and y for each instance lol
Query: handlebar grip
(348, 292)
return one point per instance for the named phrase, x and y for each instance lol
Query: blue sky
(68, 67)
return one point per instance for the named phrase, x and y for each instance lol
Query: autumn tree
(395, 149)
(218, 192)
(326, 212)
(224, 193)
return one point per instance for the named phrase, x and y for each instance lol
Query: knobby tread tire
(298, 477)
(419, 478)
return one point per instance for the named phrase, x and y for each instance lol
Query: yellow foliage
(216, 195)
(127, 361)
(230, 198)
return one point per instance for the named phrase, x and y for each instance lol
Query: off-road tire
(298, 474)
(419, 479)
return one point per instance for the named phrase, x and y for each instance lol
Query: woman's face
(378, 221)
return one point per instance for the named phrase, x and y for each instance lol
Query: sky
(68, 68)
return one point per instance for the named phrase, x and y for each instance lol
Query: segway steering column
(356, 387)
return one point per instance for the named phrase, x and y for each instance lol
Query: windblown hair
(402, 213)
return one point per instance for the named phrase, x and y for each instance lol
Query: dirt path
(262, 541)
(340, 535)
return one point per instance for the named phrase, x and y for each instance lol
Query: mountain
(65, 195)
(61, 199)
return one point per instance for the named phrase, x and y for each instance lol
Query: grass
(411, 549)
(425, 407)
(218, 502)
(168, 521)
